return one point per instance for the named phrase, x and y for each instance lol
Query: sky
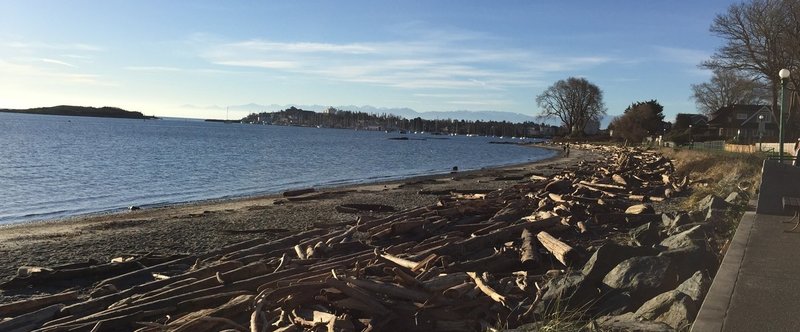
(196, 58)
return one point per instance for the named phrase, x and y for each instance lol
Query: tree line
(344, 119)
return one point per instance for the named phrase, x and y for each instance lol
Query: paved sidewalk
(757, 287)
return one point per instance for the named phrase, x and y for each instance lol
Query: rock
(716, 216)
(695, 236)
(696, 287)
(626, 322)
(668, 220)
(682, 219)
(712, 202)
(646, 235)
(568, 290)
(640, 209)
(614, 304)
(698, 216)
(559, 187)
(734, 198)
(686, 227)
(673, 308)
(608, 256)
(642, 277)
(687, 260)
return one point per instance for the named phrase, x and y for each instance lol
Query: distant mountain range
(403, 112)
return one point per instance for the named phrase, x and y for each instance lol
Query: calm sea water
(58, 166)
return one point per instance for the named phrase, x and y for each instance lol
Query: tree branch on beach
(574, 101)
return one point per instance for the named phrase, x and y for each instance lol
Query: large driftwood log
(16, 308)
(562, 251)
(528, 254)
(31, 320)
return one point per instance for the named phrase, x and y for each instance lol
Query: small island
(104, 112)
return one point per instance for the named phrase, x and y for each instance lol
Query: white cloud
(58, 62)
(453, 60)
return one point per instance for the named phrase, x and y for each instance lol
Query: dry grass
(722, 172)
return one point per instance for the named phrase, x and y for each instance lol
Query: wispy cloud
(54, 46)
(26, 69)
(58, 62)
(681, 55)
(453, 60)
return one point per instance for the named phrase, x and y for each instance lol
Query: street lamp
(760, 130)
(784, 74)
(691, 138)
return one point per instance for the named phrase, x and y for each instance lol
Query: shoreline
(267, 195)
(206, 225)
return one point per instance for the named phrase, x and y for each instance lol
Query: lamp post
(760, 130)
(691, 138)
(783, 74)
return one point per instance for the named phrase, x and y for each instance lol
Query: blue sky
(157, 57)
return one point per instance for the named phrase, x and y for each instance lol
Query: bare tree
(574, 101)
(728, 87)
(757, 40)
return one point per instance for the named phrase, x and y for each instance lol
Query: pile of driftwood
(470, 262)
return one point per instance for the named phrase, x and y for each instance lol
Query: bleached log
(528, 254)
(562, 251)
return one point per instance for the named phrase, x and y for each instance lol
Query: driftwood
(529, 256)
(562, 251)
(454, 265)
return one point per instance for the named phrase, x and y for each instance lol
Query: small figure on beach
(455, 169)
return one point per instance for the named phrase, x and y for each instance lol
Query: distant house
(742, 122)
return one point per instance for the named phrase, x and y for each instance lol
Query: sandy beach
(200, 227)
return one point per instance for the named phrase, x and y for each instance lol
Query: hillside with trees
(343, 119)
(102, 112)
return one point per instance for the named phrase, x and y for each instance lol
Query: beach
(200, 227)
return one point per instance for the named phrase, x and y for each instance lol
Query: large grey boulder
(673, 308)
(690, 259)
(608, 256)
(646, 235)
(614, 303)
(716, 216)
(642, 277)
(694, 236)
(670, 222)
(712, 202)
(696, 287)
(566, 291)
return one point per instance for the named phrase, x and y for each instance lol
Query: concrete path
(757, 287)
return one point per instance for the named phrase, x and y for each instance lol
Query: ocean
(60, 166)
